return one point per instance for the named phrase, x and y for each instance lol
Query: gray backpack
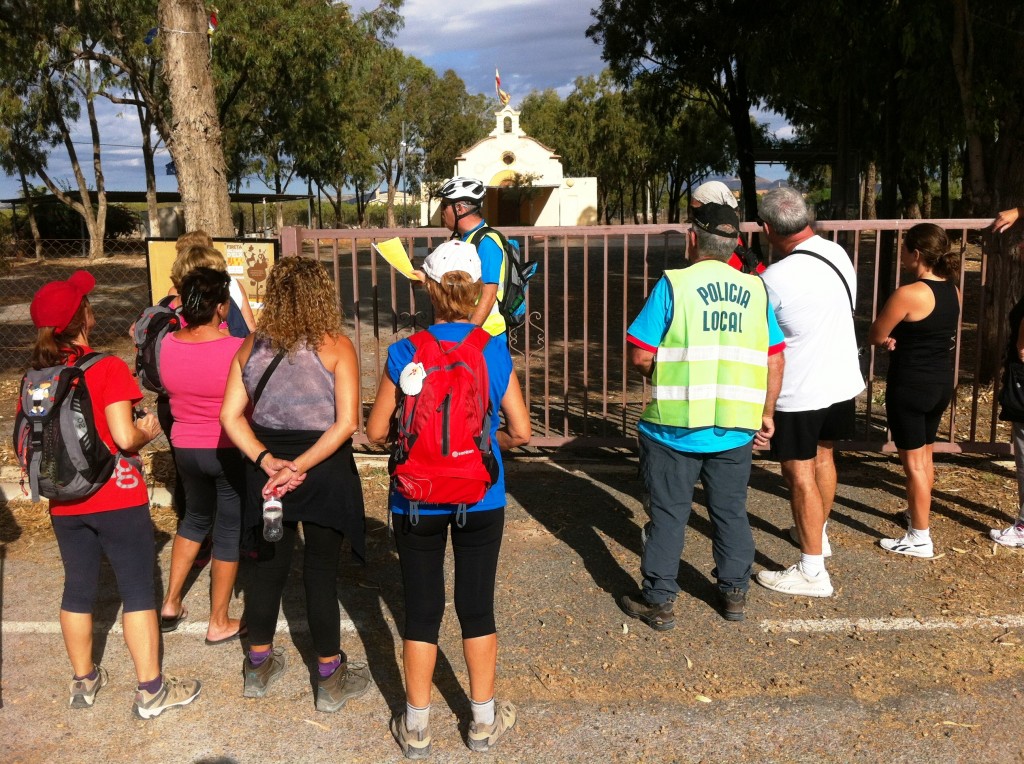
(55, 436)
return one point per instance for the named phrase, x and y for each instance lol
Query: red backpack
(442, 452)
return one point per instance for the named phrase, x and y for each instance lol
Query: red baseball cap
(56, 303)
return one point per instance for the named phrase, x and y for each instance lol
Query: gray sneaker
(658, 617)
(259, 678)
(350, 680)
(83, 691)
(415, 744)
(173, 692)
(483, 737)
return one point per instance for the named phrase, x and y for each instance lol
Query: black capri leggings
(125, 536)
(914, 412)
(214, 481)
(421, 550)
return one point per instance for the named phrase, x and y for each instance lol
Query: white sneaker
(792, 580)
(906, 546)
(1012, 536)
(826, 548)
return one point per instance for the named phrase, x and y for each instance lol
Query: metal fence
(570, 354)
(592, 283)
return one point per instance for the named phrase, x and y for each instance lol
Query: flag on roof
(502, 95)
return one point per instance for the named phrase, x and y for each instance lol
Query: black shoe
(733, 602)
(658, 617)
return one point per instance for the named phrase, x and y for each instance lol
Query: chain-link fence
(122, 291)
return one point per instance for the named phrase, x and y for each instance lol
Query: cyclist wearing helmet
(460, 213)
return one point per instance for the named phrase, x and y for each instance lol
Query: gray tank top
(299, 394)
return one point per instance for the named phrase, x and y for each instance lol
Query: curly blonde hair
(300, 305)
(455, 297)
(196, 257)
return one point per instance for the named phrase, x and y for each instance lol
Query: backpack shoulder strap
(89, 360)
(831, 265)
(478, 338)
(422, 338)
(267, 374)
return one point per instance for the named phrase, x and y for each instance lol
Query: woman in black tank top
(918, 325)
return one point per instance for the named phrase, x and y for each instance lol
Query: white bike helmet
(463, 189)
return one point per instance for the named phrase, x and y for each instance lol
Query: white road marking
(195, 628)
(833, 625)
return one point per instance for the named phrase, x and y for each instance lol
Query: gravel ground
(911, 660)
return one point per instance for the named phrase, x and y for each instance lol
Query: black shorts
(797, 433)
(914, 412)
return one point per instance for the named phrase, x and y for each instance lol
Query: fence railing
(570, 355)
(593, 281)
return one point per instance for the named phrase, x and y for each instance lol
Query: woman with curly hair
(918, 326)
(299, 375)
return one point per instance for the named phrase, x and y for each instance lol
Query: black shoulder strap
(267, 373)
(831, 265)
(89, 359)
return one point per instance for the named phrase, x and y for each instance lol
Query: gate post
(291, 241)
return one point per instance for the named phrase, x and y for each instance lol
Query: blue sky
(536, 44)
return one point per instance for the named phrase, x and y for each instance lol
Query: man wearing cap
(461, 199)
(813, 289)
(709, 342)
(716, 192)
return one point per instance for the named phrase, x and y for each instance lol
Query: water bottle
(273, 515)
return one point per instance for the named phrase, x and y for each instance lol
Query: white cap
(453, 255)
(714, 192)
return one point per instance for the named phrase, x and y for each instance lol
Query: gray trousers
(671, 476)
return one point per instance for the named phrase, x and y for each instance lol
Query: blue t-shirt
(499, 370)
(647, 331)
(491, 256)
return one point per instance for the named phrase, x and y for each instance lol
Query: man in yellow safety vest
(708, 340)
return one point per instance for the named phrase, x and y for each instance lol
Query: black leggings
(319, 577)
(421, 550)
(214, 484)
(125, 536)
(914, 412)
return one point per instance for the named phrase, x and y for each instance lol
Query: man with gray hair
(813, 291)
(708, 340)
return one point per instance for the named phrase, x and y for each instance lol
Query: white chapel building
(524, 180)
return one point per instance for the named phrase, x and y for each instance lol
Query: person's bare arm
(642, 360)
(1005, 219)
(896, 309)
(130, 436)
(516, 431)
(378, 425)
(483, 308)
(776, 368)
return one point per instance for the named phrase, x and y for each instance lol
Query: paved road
(912, 660)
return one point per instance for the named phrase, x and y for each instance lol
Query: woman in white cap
(113, 521)
(452, 276)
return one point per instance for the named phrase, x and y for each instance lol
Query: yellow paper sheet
(393, 251)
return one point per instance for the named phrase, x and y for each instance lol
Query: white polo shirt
(813, 310)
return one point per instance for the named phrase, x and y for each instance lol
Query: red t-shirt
(109, 381)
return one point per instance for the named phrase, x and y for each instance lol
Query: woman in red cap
(114, 521)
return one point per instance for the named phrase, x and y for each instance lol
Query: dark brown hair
(53, 348)
(932, 245)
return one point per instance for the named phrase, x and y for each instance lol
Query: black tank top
(924, 349)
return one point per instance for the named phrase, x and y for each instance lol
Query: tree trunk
(962, 50)
(926, 195)
(868, 211)
(30, 213)
(195, 135)
(146, 124)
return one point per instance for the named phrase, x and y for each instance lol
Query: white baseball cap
(453, 255)
(714, 192)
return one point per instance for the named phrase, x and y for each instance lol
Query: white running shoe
(826, 548)
(792, 580)
(906, 546)
(1012, 536)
